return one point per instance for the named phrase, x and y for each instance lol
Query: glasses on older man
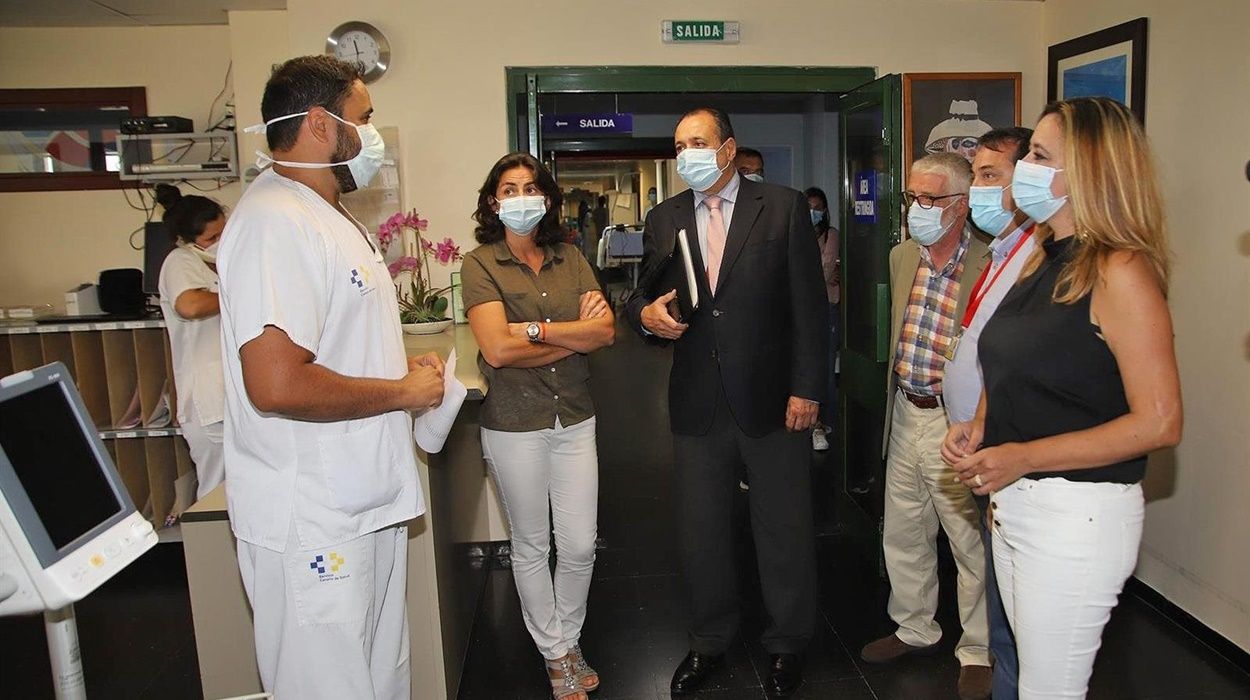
(925, 201)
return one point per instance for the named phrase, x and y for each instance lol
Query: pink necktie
(715, 239)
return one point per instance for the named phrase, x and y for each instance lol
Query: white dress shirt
(962, 380)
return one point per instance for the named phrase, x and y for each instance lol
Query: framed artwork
(948, 112)
(1108, 63)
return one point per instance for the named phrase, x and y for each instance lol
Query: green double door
(871, 151)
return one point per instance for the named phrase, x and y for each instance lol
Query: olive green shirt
(523, 400)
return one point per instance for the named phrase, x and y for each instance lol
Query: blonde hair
(952, 166)
(1113, 190)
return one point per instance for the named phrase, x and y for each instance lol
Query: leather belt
(920, 401)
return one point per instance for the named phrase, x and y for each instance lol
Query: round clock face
(363, 45)
(358, 47)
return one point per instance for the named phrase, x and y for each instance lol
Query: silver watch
(534, 332)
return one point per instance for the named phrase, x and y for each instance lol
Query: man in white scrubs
(320, 464)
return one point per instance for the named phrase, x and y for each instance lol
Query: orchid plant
(421, 302)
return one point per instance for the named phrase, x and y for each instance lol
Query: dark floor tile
(846, 689)
(825, 660)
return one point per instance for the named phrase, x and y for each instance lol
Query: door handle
(883, 322)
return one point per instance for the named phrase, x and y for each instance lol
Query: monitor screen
(56, 465)
(156, 246)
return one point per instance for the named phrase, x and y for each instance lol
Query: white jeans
(1062, 551)
(332, 622)
(207, 452)
(539, 472)
(921, 495)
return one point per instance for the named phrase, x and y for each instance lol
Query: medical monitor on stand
(67, 524)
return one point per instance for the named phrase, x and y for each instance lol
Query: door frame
(532, 81)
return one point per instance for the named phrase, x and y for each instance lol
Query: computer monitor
(156, 246)
(67, 523)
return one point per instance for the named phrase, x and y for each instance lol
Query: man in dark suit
(749, 371)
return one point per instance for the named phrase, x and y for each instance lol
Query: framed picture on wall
(1108, 63)
(949, 111)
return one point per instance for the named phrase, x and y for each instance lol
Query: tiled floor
(635, 630)
(137, 640)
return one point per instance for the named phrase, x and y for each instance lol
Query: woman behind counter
(188, 289)
(536, 309)
(1080, 385)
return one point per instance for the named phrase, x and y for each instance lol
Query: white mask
(925, 225)
(209, 254)
(363, 166)
(697, 166)
(522, 214)
(754, 177)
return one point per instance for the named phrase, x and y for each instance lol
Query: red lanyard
(980, 289)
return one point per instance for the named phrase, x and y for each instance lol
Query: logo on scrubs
(362, 280)
(328, 566)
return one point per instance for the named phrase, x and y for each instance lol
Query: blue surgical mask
(817, 216)
(522, 214)
(1031, 190)
(697, 166)
(363, 166)
(987, 209)
(925, 225)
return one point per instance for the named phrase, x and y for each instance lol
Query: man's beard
(344, 149)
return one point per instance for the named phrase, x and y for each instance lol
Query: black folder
(676, 271)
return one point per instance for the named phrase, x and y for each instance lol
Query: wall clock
(362, 44)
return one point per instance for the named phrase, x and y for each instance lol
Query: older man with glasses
(932, 275)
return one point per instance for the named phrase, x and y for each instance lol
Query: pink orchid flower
(404, 264)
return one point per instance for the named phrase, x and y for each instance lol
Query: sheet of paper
(432, 427)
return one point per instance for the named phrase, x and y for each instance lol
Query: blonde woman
(1080, 385)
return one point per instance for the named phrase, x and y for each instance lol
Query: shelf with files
(124, 371)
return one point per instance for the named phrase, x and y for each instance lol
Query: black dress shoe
(785, 674)
(693, 671)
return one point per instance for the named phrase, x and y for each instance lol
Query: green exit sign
(699, 31)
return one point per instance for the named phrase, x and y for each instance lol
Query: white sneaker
(820, 442)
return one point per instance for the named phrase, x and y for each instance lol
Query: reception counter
(446, 569)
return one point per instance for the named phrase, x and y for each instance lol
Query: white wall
(1197, 107)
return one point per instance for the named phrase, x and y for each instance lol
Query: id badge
(952, 346)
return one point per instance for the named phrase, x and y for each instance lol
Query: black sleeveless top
(1048, 372)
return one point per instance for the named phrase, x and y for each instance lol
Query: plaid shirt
(929, 324)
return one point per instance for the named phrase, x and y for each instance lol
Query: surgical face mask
(651, 197)
(363, 166)
(925, 225)
(987, 209)
(754, 177)
(522, 214)
(817, 216)
(209, 254)
(697, 166)
(1031, 190)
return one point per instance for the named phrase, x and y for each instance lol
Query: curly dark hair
(490, 229)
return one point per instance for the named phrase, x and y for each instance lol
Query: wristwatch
(534, 332)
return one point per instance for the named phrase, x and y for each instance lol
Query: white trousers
(545, 476)
(921, 495)
(1062, 551)
(205, 444)
(331, 623)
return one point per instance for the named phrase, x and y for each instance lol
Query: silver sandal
(565, 685)
(586, 676)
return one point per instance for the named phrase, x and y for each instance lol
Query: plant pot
(426, 328)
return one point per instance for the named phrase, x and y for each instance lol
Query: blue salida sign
(588, 124)
(865, 197)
